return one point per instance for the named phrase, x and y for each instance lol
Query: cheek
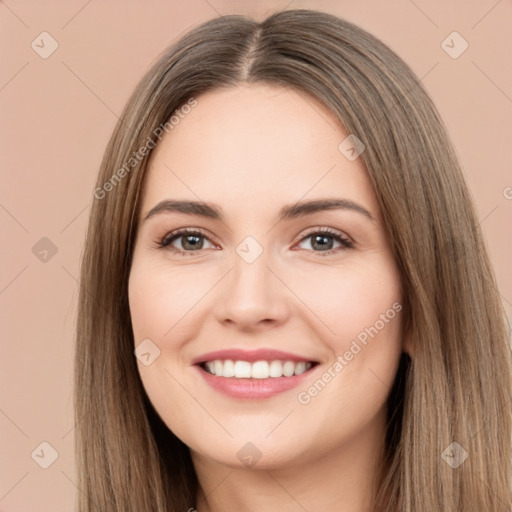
(162, 300)
(160, 306)
(344, 301)
(358, 311)
(363, 309)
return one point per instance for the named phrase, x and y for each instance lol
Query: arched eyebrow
(290, 211)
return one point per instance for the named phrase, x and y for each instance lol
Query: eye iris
(197, 244)
(324, 241)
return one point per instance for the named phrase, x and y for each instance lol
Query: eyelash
(174, 235)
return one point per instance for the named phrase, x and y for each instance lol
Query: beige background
(57, 114)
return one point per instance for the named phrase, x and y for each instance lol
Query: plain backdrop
(57, 113)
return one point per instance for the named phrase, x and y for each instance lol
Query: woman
(286, 302)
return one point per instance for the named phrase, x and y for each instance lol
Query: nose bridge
(252, 292)
(251, 277)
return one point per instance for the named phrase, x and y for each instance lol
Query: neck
(343, 478)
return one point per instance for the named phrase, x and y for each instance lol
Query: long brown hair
(456, 388)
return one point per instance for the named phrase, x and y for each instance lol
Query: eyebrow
(291, 211)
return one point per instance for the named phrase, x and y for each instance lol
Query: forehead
(257, 144)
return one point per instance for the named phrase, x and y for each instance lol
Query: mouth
(253, 375)
(262, 369)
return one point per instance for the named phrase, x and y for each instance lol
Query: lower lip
(252, 388)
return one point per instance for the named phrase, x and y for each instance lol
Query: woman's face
(266, 284)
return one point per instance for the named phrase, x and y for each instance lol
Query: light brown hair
(455, 388)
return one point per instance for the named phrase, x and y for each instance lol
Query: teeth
(260, 370)
(300, 368)
(242, 369)
(228, 369)
(275, 369)
(256, 370)
(288, 368)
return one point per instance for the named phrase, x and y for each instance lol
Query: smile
(252, 375)
(256, 370)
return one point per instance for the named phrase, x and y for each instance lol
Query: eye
(192, 240)
(322, 238)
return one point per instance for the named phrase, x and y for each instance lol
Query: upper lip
(262, 354)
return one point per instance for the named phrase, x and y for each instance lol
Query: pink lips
(250, 355)
(251, 388)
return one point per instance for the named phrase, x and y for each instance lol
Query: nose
(253, 296)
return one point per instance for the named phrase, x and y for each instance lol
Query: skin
(251, 150)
